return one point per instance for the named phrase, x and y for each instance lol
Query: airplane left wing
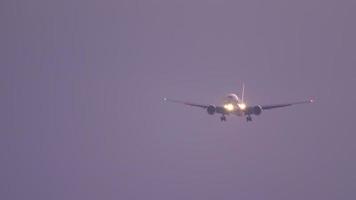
(268, 107)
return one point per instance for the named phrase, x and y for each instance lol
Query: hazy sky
(82, 116)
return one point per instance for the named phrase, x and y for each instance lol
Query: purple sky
(82, 115)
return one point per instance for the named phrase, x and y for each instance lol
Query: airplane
(233, 105)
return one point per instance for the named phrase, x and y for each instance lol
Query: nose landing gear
(249, 118)
(223, 118)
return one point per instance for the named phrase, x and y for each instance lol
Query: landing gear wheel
(249, 119)
(223, 118)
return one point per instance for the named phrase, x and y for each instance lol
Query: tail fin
(243, 92)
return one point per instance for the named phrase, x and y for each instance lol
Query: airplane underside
(248, 117)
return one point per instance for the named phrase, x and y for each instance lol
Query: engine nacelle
(211, 109)
(257, 110)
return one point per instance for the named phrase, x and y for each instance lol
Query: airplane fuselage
(232, 104)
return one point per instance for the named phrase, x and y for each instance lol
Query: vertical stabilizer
(243, 92)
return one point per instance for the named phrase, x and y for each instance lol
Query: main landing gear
(223, 118)
(249, 118)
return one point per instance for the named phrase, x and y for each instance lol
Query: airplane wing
(218, 109)
(268, 107)
(186, 103)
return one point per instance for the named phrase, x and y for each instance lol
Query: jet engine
(211, 109)
(255, 110)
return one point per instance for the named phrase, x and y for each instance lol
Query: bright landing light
(242, 106)
(229, 107)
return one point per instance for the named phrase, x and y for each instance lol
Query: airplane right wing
(186, 103)
(210, 108)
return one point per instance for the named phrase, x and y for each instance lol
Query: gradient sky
(82, 115)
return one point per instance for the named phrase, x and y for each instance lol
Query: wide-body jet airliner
(233, 105)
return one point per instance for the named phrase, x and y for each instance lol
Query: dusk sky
(82, 115)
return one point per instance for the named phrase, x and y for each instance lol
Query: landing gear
(249, 118)
(223, 118)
